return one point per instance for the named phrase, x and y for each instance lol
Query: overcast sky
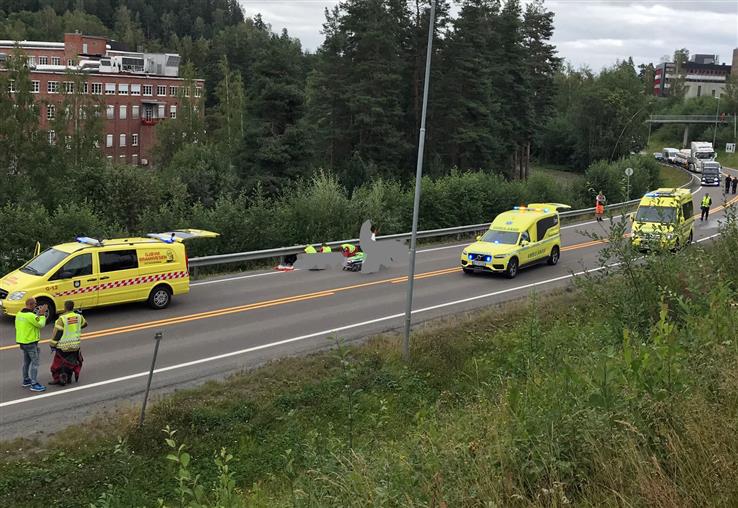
(595, 33)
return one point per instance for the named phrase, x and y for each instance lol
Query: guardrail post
(157, 339)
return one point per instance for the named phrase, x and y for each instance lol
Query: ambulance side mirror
(523, 243)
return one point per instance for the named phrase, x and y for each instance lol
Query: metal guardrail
(688, 119)
(241, 257)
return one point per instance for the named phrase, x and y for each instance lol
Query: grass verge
(621, 392)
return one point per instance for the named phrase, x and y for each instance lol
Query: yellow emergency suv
(665, 219)
(94, 273)
(524, 236)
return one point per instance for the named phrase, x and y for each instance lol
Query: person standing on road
(66, 344)
(28, 325)
(705, 206)
(735, 183)
(600, 206)
(728, 181)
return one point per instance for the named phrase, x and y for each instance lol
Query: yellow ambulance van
(95, 273)
(664, 219)
(524, 236)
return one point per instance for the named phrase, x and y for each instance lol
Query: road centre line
(294, 339)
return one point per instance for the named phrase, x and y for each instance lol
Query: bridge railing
(242, 257)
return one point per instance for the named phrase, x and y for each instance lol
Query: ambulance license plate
(479, 263)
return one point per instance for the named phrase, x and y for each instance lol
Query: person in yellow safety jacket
(349, 249)
(28, 325)
(705, 206)
(325, 248)
(66, 345)
(309, 249)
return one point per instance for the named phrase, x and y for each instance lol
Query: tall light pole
(418, 179)
(717, 113)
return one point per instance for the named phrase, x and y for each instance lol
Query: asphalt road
(235, 322)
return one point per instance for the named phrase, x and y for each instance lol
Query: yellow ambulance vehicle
(95, 273)
(664, 219)
(524, 236)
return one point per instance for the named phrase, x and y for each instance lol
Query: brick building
(137, 90)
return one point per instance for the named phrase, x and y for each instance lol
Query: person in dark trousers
(705, 206)
(735, 183)
(728, 181)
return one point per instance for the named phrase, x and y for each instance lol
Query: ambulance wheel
(512, 268)
(554, 257)
(50, 311)
(160, 297)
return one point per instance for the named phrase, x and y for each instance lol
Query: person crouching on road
(66, 344)
(325, 248)
(28, 325)
(705, 206)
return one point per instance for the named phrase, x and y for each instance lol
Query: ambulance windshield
(661, 214)
(41, 264)
(505, 237)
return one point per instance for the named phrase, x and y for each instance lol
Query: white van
(670, 155)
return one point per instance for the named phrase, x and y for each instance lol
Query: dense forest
(284, 127)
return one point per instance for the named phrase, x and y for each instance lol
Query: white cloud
(595, 33)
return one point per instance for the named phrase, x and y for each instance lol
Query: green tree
(228, 116)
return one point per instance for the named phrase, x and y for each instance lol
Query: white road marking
(293, 339)
(216, 281)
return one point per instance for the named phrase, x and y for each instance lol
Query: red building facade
(137, 90)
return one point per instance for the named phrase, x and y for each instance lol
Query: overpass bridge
(688, 120)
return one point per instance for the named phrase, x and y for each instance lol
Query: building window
(109, 88)
(134, 160)
(69, 87)
(147, 90)
(135, 112)
(122, 158)
(173, 91)
(134, 139)
(187, 91)
(70, 62)
(109, 140)
(161, 112)
(122, 140)
(172, 111)
(11, 86)
(43, 60)
(198, 91)
(96, 88)
(35, 86)
(123, 88)
(85, 87)
(135, 89)
(50, 111)
(68, 142)
(161, 90)
(111, 112)
(123, 112)
(52, 87)
(52, 137)
(84, 48)
(55, 60)
(31, 61)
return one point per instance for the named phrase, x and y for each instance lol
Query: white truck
(681, 158)
(699, 152)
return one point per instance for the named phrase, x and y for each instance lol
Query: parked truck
(681, 158)
(710, 172)
(699, 152)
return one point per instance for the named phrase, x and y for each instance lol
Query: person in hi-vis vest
(66, 346)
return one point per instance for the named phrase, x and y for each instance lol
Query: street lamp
(717, 114)
(418, 180)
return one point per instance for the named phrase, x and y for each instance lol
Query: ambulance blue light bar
(524, 208)
(89, 241)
